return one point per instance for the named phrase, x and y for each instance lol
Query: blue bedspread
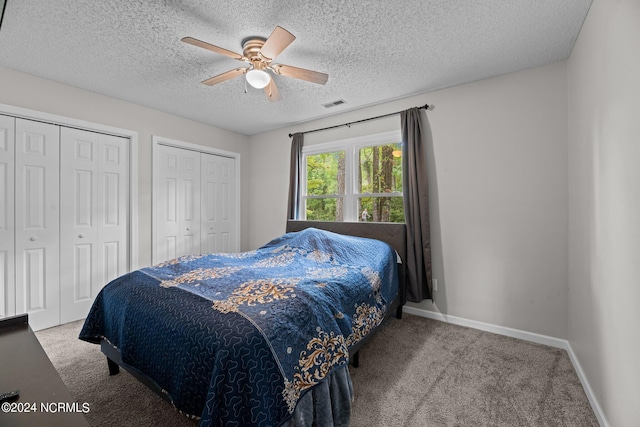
(237, 339)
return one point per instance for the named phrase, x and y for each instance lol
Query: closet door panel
(167, 210)
(210, 182)
(218, 203)
(113, 208)
(189, 204)
(37, 222)
(176, 203)
(94, 217)
(166, 205)
(78, 227)
(227, 205)
(7, 230)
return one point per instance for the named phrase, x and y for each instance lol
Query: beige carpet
(422, 372)
(415, 372)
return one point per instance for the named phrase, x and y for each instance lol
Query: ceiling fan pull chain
(245, 86)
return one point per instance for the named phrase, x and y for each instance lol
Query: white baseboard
(523, 335)
(501, 330)
(595, 405)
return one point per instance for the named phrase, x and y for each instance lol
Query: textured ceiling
(374, 51)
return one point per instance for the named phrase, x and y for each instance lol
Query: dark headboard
(391, 233)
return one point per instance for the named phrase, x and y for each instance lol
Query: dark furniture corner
(25, 366)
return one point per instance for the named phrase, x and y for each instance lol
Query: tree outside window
(380, 183)
(359, 180)
(325, 186)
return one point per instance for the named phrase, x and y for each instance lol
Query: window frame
(351, 148)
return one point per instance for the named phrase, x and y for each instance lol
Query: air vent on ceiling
(334, 103)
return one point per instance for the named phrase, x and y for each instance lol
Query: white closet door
(37, 222)
(94, 217)
(113, 208)
(177, 203)
(7, 232)
(218, 204)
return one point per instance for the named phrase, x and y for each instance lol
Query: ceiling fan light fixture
(258, 78)
(259, 53)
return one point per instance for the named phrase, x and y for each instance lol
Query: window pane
(381, 209)
(325, 173)
(324, 209)
(380, 169)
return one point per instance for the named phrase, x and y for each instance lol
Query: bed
(258, 338)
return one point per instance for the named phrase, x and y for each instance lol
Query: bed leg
(399, 312)
(355, 360)
(114, 369)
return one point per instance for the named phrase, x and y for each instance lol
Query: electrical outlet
(435, 285)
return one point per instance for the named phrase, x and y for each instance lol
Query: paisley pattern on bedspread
(307, 297)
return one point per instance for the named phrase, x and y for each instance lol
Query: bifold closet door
(37, 220)
(7, 229)
(176, 203)
(218, 203)
(94, 170)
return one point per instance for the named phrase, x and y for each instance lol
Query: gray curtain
(416, 206)
(294, 176)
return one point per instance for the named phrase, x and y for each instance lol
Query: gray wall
(498, 191)
(604, 206)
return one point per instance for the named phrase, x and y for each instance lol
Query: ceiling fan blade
(224, 76)
(272, 91)
(300, 73)
(212, 48)
(276, 43)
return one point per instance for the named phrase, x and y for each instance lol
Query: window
(359, 179)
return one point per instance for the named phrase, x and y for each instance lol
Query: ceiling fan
(258, 52)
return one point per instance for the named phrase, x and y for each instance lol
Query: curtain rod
(423, 107)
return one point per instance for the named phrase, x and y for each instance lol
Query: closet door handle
(33, 239)
(81, 236)
(188, 229)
